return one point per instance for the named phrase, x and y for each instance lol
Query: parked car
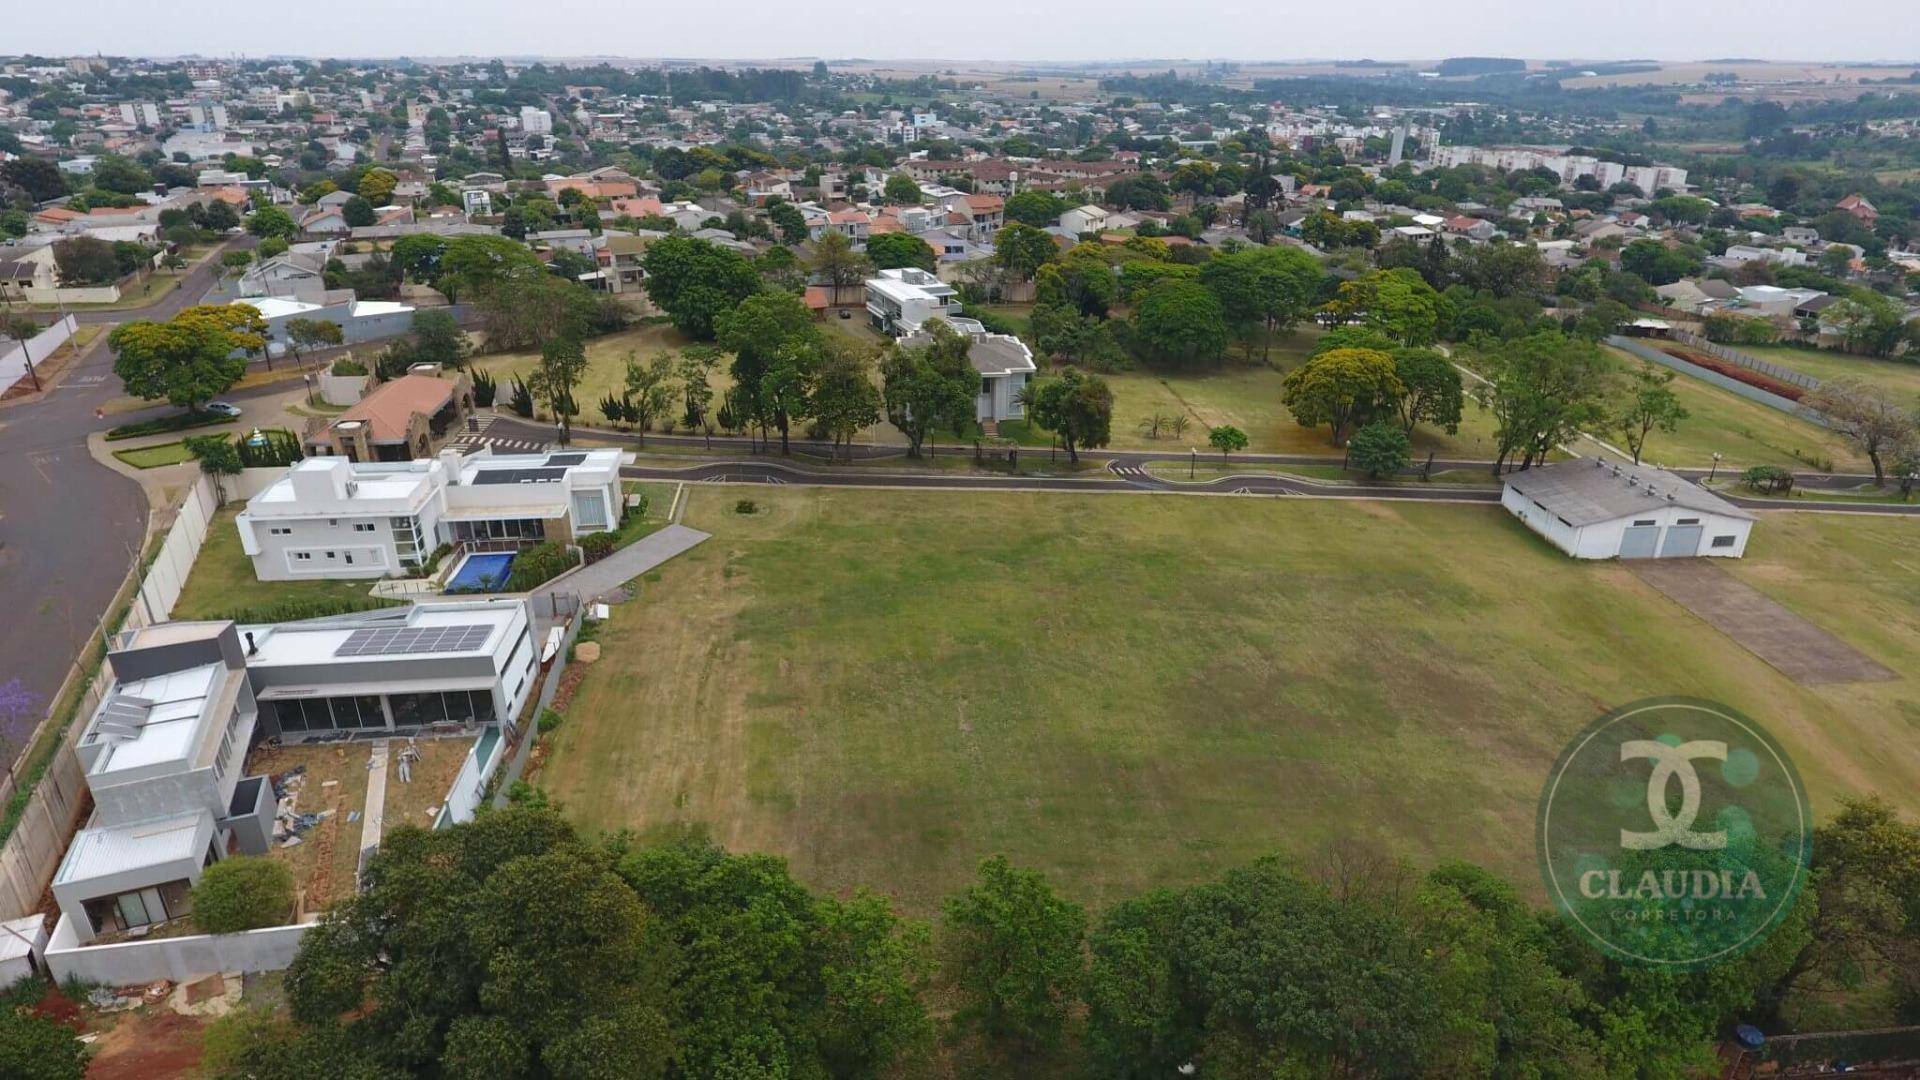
(224, 408)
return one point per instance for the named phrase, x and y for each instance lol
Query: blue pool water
(481, 573)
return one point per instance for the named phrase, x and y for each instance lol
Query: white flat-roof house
(898, 301)
(162, 757)
(1005, 365)
(1591, 509)
(164, 751)
(329, 517)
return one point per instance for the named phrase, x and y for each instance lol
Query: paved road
(514, 427)
(1125, 471)
(69, 527)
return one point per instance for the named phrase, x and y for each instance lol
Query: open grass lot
(1133, 691)
(418, 803)
(222, 580)
(607, 372)
(153, 457)
(1898, 377)
(1746, 432)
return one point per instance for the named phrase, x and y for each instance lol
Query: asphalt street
(69, 526)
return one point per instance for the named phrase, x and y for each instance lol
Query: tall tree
(1016, 961)
(1180, 323)
(893, 250)
(1432, 390)
(649, 391)
(562, 362)
(931, 387)
(696, 282)
(844, 398)
(1651, 405)
(836, 263)
(1342, 388)
(1078, 408)
(191, 358)
(1542, 389)
(1263, 290)
(1866, 416)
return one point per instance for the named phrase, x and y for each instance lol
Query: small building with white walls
(1595, 509)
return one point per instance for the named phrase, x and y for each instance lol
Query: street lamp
(1711, 473)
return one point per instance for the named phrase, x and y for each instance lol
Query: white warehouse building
(1591, 509)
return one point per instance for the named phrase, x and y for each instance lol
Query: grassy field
(1746, 432)
(1896, 377)
(153, 457)
(222, 580)
(1134, 691)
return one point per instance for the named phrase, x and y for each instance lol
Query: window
(1723, 541)
(1687, 521)
(279, 530)
(330, 555)
(1648, 521)
(363, 526)
(303, 556)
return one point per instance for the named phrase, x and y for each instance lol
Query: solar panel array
(519, 476)
(401, 640)
(564, 459)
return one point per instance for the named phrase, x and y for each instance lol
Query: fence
(1732, 385)
(33, 351)
(1751, 363)
(33, 850)
(178, 959)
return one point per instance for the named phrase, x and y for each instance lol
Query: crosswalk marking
(468, 441)
(1130, 470)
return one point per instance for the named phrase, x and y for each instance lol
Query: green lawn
(222, 581)
(1127, 692)
(1898, 377)
(153, 457)
(1745, 432)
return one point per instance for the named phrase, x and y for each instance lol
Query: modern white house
(1084, 219)
(164, 752)
(898, 301)
(1593, 509)
(329, 517)
(1005, 365)
(162, 756)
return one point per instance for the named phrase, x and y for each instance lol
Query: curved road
(69, 526)
(1126, 471)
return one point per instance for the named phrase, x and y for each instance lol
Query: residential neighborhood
(545, 563)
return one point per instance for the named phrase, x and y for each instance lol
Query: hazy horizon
(1397, 30)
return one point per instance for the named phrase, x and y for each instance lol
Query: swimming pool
(481, 572)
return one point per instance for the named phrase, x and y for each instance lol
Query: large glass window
(319, 717)
(406, 709)
(287, 716)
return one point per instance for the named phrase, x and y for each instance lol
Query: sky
(996, 30)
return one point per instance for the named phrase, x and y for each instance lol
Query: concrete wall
(100, 294)
(16, 356)
(179, 959)
(342, 390)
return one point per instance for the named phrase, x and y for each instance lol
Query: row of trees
(513, 947)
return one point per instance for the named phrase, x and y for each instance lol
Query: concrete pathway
(372, 817)
(628, 563)
(1800, 650)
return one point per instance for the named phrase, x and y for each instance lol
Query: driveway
(1797, 648)
(628, 563)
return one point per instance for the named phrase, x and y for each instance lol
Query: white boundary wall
(13, 362)
(179, 959)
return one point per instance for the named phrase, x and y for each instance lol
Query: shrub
(538, 565)
(550, 720)
(243, 893)
(302, 608)
(347, 366)
(35, 1046)
(433, 560)
(176, 422)
(1771, 479)
(485, 389)
(744, 506)
(597, 546)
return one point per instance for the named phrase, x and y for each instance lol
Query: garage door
(1639, 541)
(1683, 541)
